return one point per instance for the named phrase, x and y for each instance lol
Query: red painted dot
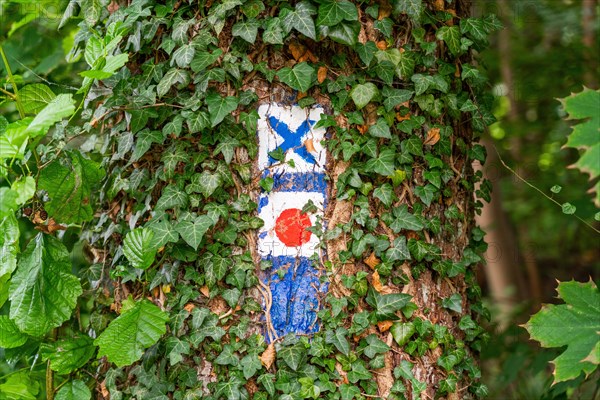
(290, 227)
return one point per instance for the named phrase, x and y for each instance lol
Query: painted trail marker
(284, 240)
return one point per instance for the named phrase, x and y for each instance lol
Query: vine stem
(525, 181)
(11, 78)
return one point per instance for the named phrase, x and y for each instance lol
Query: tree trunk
(386, 303)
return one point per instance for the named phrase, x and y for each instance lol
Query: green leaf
(568, 208)
(247, 30)
(366, 51)
(426, 193)
(138, 328)
(58, 108)
(44, 264)
(300, 77)
(375, 346)
(19, 386)
(138, 248)
(183, 56)
(294, 356)
(172, 197)
(362, 94)
(204, 59)
(10, 335)
(453, 303)
(338, 339)
(403, 219)
(69, 182)
(250, 365)
(193, 231)
(586, 134)
(9, 244)
(35, 97)
(386, 305)
(219, 107)
(174, 76)
(392, 97)
(273, 33)
(25, 189)
(384, 164)
(267, 381)
(332, 12)
(301, 19)
(398, 251)
(67, 355)
(74, 390)
(451, 36)
(227, 147)
(412, 8)
(345, 32)
(385, 193)
(574, 324)
(402, 331)
(8, 201)
(380, 129)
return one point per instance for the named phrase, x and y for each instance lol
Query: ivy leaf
(392, 97)
(9, 244)
(267, 381)
(402, 331)
(45, 263)
(301, 19)
(338, 339)
(453, 303)
(69, 182)
(35, 97)
(380, 129)
(204, 59)
(586, 134)
(412, 8)
(10, 335)
(300, 77)
(58, 108)
(193, 231)
(138, 248)
(384, 164)
(385, 193)
(172, 197)
(386, 305)
(174, 76)
(574, 324)
(375, 346)
(74, 390)
(67, 355)
(227, 147)
(273, 33)
(230, 389)
(219, 107)
(426, 193)
(366, 51)
(403, 219)
(398, 251)
(344, 32)
(362, 94)
(138, 328)
(250, 365)
(247, 30)
(332, 12)
(183, 56)
(451, 36)
(294, 356)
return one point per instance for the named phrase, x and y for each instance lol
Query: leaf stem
(540, 191)
(11, 78)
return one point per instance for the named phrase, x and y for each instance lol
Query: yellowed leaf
(372, 261)
(189, 307)
(384, 325)
(322, 74)
(204, 290)
(377, 282)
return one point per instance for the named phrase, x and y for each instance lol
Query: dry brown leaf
(268, 356)
(400, 117)
(204, 290)
(372, 261)
(385, 10)
(104, 390)
(433, 136)
(384, 325)
(457, 72)
(362, 128)
(310, 147)
(382, 45)
(322, 74)
(439, 5)
(301, 95)
(189, 307)
(377, 282)
(298, 50)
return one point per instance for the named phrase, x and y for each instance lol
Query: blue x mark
(292, 140)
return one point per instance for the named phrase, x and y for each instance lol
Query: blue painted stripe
(297, 182)
(294, 296)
